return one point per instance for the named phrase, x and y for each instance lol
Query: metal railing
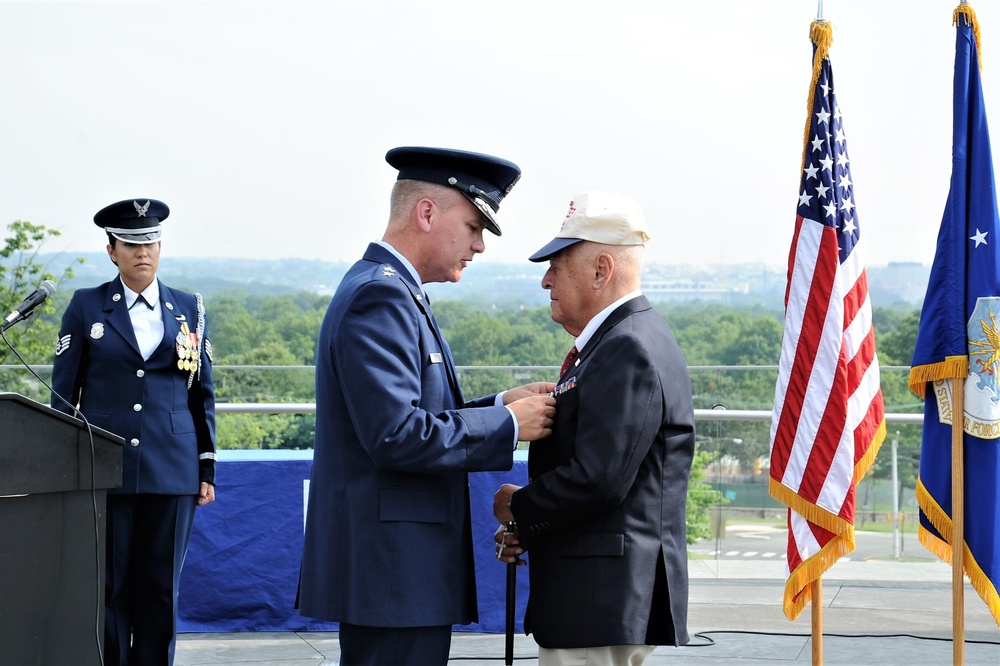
(730, 473)
(719, 414)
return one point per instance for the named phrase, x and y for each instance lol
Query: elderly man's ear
(604, 270)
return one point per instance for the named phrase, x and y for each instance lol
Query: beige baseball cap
(599, 217)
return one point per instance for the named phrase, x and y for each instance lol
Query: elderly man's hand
(508, 546)
(501, 503)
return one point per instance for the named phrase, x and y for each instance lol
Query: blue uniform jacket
(388, 535)
(169, 429)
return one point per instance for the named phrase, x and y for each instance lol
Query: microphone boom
(36, 298)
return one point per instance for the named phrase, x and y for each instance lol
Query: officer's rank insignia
(388, 271)
(62, 344)
(208, 350)
(567, 385)
(186, 343)
(97, 331)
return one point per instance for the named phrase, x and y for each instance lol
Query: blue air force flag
(958, 341)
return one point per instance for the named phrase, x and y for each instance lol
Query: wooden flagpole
(958, 521)
(817, 622)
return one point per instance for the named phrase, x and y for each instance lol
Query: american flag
(828, 420)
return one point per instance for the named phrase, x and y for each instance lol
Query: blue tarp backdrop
(242, 567)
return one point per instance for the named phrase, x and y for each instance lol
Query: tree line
(265, 347)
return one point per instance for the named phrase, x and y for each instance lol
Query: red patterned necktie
(570, 357)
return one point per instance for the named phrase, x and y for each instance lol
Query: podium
(53, 486)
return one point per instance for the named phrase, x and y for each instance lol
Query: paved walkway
(874, 612)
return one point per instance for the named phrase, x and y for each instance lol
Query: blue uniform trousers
(147, 540)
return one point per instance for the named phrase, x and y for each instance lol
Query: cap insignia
(141, 209)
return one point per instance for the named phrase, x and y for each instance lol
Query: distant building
(686, 290)
(898, 281)
(509, 285)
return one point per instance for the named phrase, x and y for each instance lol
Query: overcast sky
(264, 125)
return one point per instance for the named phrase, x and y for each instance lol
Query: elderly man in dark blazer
(133, 356)
(603, 514)
(388, 541)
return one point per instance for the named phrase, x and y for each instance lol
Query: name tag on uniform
(436, 357)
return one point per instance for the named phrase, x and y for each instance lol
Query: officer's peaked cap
(483, 179)
(133, 220)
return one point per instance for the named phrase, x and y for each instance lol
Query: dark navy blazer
(388, 538)
(169, 429)
(603, 517)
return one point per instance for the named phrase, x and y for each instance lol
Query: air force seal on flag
(982, 396)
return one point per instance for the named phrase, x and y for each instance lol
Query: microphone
(36, 298)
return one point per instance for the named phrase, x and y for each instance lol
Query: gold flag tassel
(821, 34)
(968, 15)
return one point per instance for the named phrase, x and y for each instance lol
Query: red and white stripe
(828, 406)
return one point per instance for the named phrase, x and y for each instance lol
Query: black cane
(508, 659)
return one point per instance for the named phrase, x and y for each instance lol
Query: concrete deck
(874, 612)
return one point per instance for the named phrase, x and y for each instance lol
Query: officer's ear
(111, 253)
(423, 211)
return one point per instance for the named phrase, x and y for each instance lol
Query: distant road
(769, 542)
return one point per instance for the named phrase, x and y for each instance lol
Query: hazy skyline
(264, 125)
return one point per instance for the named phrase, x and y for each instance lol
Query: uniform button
(134, 442)
(140, 373)
(137, 407)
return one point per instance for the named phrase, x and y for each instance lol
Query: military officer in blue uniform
(133, 355)
(388, 540)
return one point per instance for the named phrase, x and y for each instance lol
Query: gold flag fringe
(942, 548)
(821, 34)
(816, 515)
(798, 587)
(968, 15)
(862, 466)
(952, 367)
